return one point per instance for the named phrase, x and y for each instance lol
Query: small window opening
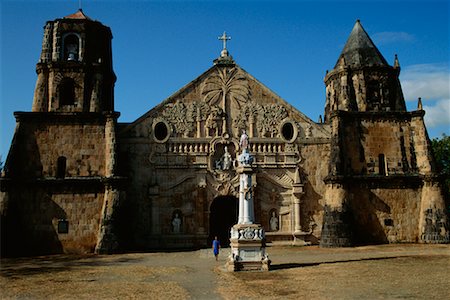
(63, 226)
(67, 92)
(287, 131)
(161, 131)
(381, 165)
(388, 222)
(61, 167)
(71, 47)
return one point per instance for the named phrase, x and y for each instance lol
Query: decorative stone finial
(396, 62)
(419, 104)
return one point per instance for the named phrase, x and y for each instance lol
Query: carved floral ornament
(182, 118)
(267, 120)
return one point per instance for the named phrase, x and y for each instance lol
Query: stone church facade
(76, 180)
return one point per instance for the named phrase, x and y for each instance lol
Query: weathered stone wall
(32, 218)
(367, 141)
(39, 145)
(384, 215)
(83, 212)
(315, 160)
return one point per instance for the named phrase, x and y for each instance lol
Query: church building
(78, 181)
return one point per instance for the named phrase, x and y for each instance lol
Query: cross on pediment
(224, 39)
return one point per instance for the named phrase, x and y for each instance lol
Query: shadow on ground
(12, 267)
(274, 267)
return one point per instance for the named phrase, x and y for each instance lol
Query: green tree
(441, 149)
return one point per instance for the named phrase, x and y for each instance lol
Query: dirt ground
(371, 272)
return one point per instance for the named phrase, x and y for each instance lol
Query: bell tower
(64, 150)
(380, 156)
(75, 71)
(362, 80)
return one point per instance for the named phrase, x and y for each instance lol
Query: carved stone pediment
(223, 101)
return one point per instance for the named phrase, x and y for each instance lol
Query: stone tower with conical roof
(381, 168)
(64, 150)
(362, 80)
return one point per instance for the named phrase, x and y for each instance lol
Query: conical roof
(79, 15)
(360, 50)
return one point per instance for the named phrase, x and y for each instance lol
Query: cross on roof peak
(225, 58)
(224, 39)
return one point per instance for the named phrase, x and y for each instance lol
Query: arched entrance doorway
(223, 215)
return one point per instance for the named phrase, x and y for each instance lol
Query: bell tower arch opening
(223, 215)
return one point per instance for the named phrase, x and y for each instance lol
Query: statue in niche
(176, 223)
(274, 221)
(226, 160)
(243, 143)
(210, 124)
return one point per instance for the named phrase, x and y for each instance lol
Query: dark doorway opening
(223, 215)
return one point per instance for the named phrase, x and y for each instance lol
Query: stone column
(251, 126)
(297, 227)
(335, 228)
(106, 240)
(40, 100)
(247, 239)
(297, 192)
(199, 125)
(96, 95)
(246, 213)
(110, 145)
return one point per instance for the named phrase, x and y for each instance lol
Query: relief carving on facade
(268, 119)
(179, 118)
(186, 119)
(226, 83)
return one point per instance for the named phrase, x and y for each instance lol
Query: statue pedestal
(248, 251)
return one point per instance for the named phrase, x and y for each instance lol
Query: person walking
(216, 247)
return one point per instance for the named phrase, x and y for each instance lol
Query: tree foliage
(441, 150)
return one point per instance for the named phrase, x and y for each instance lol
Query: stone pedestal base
(248, 251)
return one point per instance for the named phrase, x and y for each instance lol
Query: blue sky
(159, 46)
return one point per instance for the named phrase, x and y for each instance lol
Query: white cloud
(438, 114)
(387, 37)
(429, 81)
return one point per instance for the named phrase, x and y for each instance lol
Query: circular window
(287, 131)
(161, 132)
